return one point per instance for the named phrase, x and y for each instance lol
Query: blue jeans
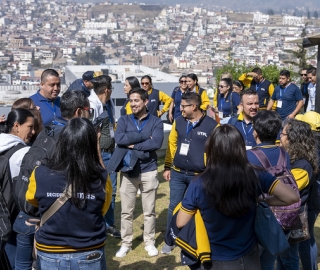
(11, 247)
(267, 260)
(179, 183)
(25, 237)
(72, 261)
(308, 249)
(249, 261)
(289, 260)
(109, 217)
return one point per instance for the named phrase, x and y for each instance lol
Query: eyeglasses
(145, 83)
(283, 134)
(303, 74)
(222, 86)
(183, 106)
(183, 81)
(88, 109)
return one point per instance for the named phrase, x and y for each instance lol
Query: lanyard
(246, 133)
(136, 123)
(283, 91)
(58, 123)
(108, 106)
(191, 127)
(53, 109)
(258, 85)
(222, 101)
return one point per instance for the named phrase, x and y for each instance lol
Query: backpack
(8, 208)
(287, 216)
(38, 154)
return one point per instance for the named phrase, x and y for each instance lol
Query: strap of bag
(261, 157)
(65, 196)
(282, 158)
(13, 149)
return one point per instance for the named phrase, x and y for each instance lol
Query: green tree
(97, 55)
(270, 11)
(270, 72)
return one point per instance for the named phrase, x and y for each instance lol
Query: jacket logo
(262, 89)
(200, 133)
(153, 100)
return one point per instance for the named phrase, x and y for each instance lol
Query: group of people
(209, 165)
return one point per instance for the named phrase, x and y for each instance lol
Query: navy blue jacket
(79, 85)
(152, 126)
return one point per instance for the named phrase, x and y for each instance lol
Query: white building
(258, 18)
(292, 20)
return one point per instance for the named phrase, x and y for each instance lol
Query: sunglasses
(303, 74)
(222, 86)
(145, 83)
(183, 81)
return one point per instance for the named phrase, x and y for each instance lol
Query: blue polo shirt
(245, 129)
(230, 238)
(289, 95)
(271, 151)
(224, 104)
(48, 108)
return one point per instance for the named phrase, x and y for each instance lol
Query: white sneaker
(151, 249)
(123, 251)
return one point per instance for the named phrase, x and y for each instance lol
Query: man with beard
(288, 96)
(140, 135)
(312, 78)
(254, 80)
(249, 101)
(304, 88)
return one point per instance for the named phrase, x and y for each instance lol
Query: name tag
(248, 147)
(279, 104)
(220, 115)
(111, 131)
(184, 149)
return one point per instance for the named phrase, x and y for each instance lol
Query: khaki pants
(148, 184)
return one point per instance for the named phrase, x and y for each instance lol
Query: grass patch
(138, 259)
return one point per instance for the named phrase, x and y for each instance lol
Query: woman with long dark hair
(225, 193)
(19, 129)
(77, 228)
(297, 139)
(308, 250)
(130, 83)
(228, 101)
(193, 86)
(174, 110)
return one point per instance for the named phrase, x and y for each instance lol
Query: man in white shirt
(312, 77)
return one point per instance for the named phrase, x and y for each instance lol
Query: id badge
(248, 147)
(111, 131)
(184, 149)
(279, 104)
(220, 115)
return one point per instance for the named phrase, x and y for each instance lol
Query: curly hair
(302, 144)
